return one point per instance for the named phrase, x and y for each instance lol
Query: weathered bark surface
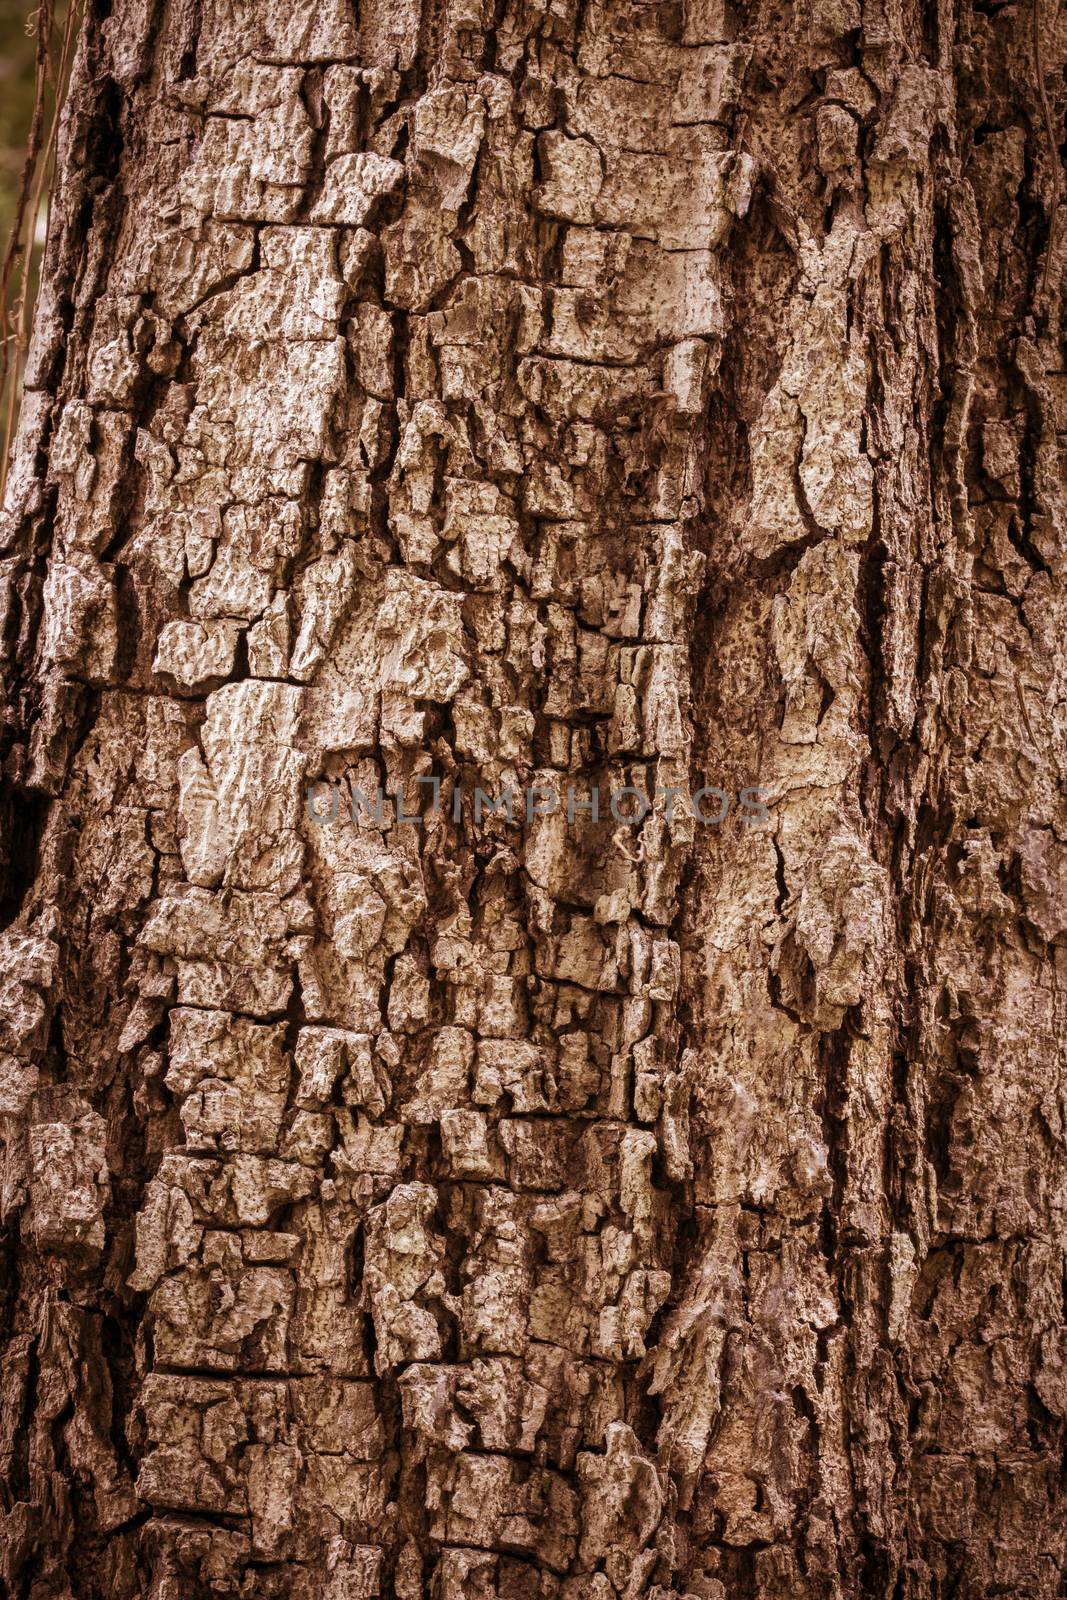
(581, 394)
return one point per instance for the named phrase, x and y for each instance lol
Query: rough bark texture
(603, 393)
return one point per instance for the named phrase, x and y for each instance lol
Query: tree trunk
(408, 1199)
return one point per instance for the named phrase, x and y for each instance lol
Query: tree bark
(579, 396)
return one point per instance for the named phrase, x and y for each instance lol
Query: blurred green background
(17, 49)
(18, 72)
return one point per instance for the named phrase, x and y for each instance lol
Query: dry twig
(15, 273)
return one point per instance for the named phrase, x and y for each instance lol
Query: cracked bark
(604, 394)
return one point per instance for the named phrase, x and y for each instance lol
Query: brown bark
(591, 395)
